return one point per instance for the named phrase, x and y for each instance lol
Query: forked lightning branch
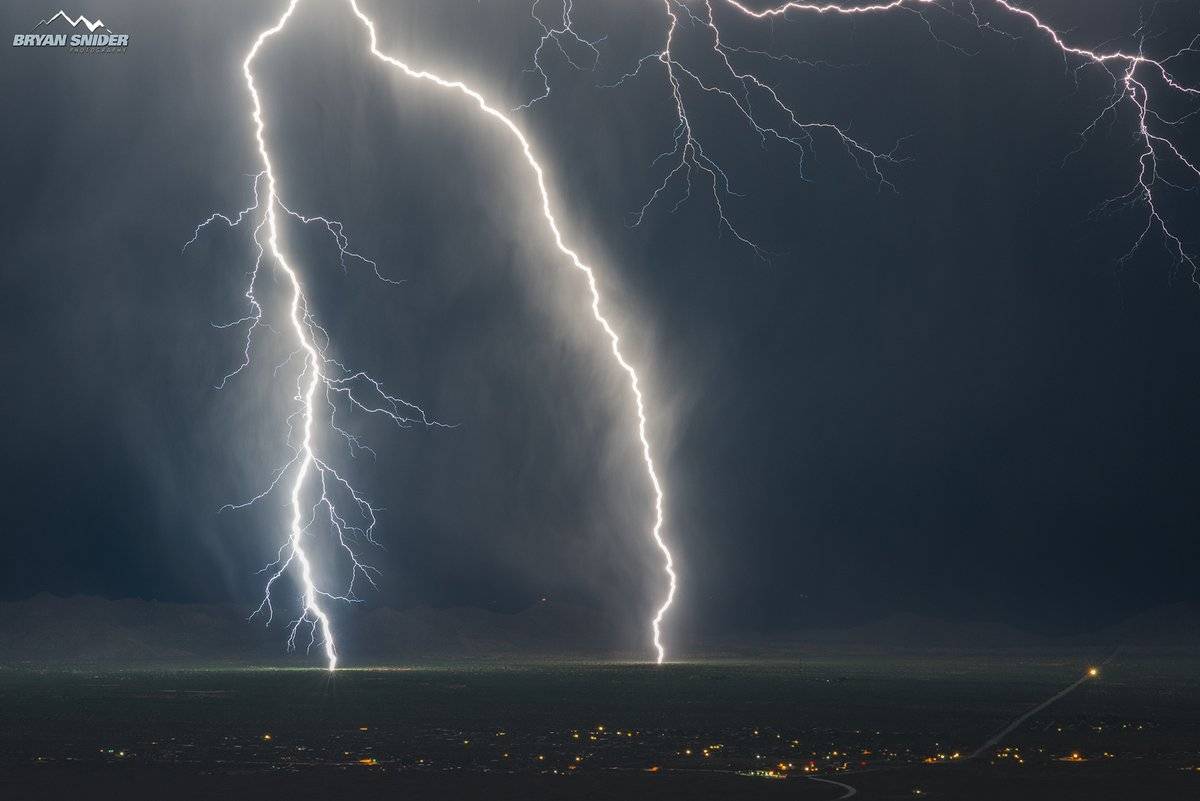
(317, 492)
(693, 59)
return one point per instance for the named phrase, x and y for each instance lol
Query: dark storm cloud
(943, 400)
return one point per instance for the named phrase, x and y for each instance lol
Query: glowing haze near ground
(293, 555)
(1138, 81)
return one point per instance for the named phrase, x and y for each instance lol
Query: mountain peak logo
(94, 41)
(74, 23)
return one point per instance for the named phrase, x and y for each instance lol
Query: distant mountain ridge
(49, 630)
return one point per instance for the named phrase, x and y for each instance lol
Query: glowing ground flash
(323, 378)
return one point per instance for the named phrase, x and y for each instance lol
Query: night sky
(950, 399)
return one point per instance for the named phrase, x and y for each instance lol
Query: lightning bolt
(564, 39)
(762, 108)
(322, 373)
(769, 117)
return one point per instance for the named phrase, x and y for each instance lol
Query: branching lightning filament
(728, 74)
(1142, 89)
(322, 379)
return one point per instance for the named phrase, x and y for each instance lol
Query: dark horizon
(68, 634)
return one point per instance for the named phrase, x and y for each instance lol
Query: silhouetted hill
(1173, 625)
(905, 630)
(47, 630)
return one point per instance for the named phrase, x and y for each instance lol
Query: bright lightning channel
(751, 98)
(577, 262)
(321, 371)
